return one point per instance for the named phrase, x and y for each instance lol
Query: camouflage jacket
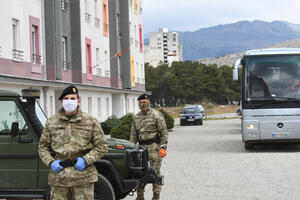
(148, 126)
(69, 138)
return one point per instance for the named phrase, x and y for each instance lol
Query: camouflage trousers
(155, 162)
(80, 192)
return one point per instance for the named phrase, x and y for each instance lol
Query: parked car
(191, 115)
(202, 110)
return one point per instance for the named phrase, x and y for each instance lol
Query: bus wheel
(249, 146)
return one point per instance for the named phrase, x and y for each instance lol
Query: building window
(88, 53)
(105, 18)
(15, 24)
(36, 58)
(122, 107)
(107, 71)
(135, 7)
(97, 66)
(133, 105)
(87, 11)
(90, 105)
(51, 105)
(18, 55)
(65, 53)
(127, 105)
(99, 108)
(132, 72)
(107, 107)
(141, 38)
(97, 20)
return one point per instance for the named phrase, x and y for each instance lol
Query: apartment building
(52, 44)
(163, 48)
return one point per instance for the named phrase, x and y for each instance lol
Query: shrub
(168, 118)
(109, 124)
(123, 130)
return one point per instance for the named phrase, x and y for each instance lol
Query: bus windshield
(272, 77)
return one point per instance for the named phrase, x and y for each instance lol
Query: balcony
(120, 34)
(98, 71)
(97, 22)
(105, 27)
(64, 5)
(66, 65)
(107, 74)
(36, 59)
(89, 69)
(88, 17)
(18, 55)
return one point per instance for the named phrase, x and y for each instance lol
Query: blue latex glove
(55, 166)
(80, 164)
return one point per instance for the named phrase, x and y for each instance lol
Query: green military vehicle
(24, 176)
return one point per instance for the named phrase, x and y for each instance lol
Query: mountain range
(235, 37)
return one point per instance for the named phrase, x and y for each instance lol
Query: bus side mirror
(235, 73)
(14, 129)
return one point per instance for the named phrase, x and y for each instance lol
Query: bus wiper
(289, 99)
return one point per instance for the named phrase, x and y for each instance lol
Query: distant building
(163, 48)
(51, 44)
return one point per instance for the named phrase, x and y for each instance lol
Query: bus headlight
(251, 126)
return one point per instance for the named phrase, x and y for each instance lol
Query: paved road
(209, 163)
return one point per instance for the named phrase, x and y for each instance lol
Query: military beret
(68, 90)
(143, 96)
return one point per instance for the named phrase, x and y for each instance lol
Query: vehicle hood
(190, 115)
(113, 141)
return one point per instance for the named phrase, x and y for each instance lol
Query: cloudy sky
(190, 15)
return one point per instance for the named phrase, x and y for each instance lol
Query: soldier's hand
(55, 166)
(80, 164)
(162, 153)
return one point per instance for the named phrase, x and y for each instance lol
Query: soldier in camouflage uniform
(70, 143)
(149, 129)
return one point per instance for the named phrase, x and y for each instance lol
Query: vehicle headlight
(182, 117)
(251, 126)
(198, 116)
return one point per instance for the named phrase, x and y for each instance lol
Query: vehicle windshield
(40, 113)
(272, 77)
(190, 111)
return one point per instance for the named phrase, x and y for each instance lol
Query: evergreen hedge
(169, 120)
(123, 126)
(109, 124)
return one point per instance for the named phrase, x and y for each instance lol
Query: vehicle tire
(104, 189)
(181, 123)
(48, 193)
(249, 146)
(201, 122)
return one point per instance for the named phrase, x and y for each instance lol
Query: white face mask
(70, 105)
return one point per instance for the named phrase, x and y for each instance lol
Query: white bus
(270, 95)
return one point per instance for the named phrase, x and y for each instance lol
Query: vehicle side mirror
(235, 73)
(14, 129)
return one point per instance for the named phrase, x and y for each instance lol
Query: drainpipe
(44, 39)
